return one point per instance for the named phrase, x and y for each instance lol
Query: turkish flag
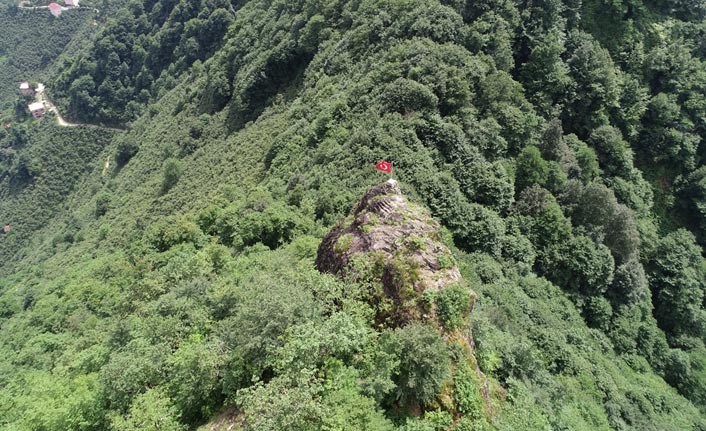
(384, 166)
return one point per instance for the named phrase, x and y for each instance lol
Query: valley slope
(156, 277)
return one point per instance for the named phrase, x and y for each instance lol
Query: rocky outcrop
(395, 246)
(394, 250)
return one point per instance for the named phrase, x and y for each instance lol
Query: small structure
(25, 89)
(37, 109)
(6, 229)
(55, 9)
(72, 3)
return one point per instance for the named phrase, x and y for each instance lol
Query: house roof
(24, 85)
(36, 106)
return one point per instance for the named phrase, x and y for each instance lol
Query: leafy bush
(151, 411)
(103, 203)
(173, 169)
(126, 151)
(452, 306)
(424, 362)
(170, 232)
(531, 169)
(406, 96)
(467, 393)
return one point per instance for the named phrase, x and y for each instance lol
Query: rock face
(393, 249)
(395, 246)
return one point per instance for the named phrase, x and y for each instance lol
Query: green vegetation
(560, 144)
(343, 243)
(140, 50)
(452, 306)
(30, 43)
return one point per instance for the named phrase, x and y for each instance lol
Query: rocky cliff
(395, 247)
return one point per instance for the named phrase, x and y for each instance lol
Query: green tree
(151, 411)
(284, 403)
(270, 302)
(595, 88)
(406, 96)
(595, 208)
(586, 157)
(580, 265)
(669, 137)
(692, 198)
(678, 283)
(531, 169)
(195, 385)
(424, 362)
(453, 304)
(614, 154)
(541, 219)
(486, 183)
(173, 169)
(545, 75)
(131, 371)
(102, 204)
(126, 150)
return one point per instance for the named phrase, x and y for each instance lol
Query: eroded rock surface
(397, 244)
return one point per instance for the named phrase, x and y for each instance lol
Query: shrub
(172, 171)
(102, 204)
(530, 169)
(466, 392)
(126, 150)
(439, 420)
(467, 424)
(151, 411)
(405, 96)
(343, 243)
(424, 362)
(452, 305)
(104, 231)
(445, 261)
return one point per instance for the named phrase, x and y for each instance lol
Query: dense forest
(165, 277)
(26, 54)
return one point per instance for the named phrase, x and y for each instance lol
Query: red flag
(384, 166)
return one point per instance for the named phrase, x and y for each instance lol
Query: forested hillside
(164, 278)
(31, 41)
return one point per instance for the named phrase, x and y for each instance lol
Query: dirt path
(22, 4)
(59, 119)
(42, 97)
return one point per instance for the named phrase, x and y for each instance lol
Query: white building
(73, 3)
(37, 109)
(25, 89)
